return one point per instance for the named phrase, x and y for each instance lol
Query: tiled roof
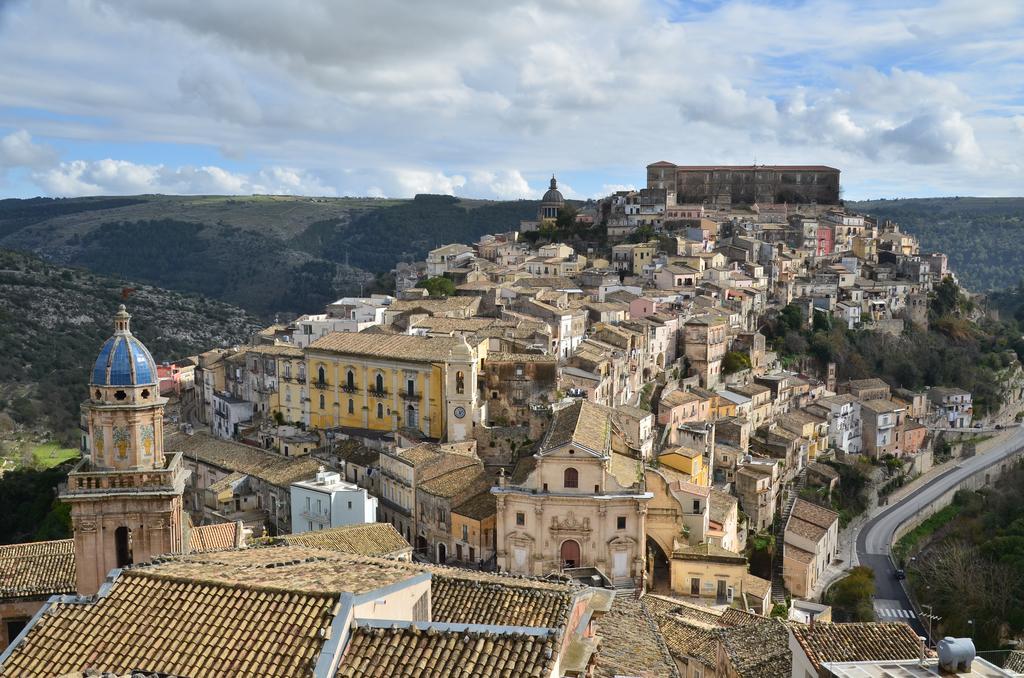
(172, 626)
(707, 551)
(252, 461)
(356, 453)
(285, 568)
(857, 642)
(370, 539)
(583, 423)
(631, 644)
(499, 600)
(37, 569)
(722, 505)
(823, 470)
(759, 650)
(432, 306)
(803, 528)
(212, 537)
(626, 470)
(464, 479)
(797, 554)
(478, 507)
(398, 347)
(813, 513)
(391, 653)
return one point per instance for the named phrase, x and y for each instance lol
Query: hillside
(53, 321)
(982, 236)
(267, 254)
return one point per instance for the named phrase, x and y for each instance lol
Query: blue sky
(486, 99)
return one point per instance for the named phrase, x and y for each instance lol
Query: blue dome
(123, 360)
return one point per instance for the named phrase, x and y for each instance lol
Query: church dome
(123, 360)
(553, 195)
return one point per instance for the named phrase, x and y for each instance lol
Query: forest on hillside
(981, 236)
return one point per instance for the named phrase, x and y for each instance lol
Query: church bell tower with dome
(126, 498)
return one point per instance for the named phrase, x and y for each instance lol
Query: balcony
(379, 394)
(322, 385)
(349, 389)
(405, 395)
(324, 517)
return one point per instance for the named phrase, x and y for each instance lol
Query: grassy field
(52, 454)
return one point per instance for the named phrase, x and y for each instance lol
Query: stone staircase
(778, 584)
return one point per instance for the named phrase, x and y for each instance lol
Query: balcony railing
(379, 394)
(406, 395)
(322, 385)
(349, 389)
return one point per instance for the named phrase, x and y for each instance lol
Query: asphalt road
(874, 539)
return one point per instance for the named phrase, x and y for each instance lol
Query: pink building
(825, 239)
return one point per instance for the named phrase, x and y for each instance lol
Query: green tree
(851, 597)
(438, 286)
(734, 361)
(566, 220)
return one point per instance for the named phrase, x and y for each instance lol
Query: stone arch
(569, 553)
(659, 567)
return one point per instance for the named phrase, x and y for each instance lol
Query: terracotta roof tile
(412, 652)
(400, 347)
(252, 461)
(857, 642)
(370, 539)
(37, 569)
(814, 514)
(583, 423)
(212, 537)
(502, 600)
(631, 644)
(188, 628)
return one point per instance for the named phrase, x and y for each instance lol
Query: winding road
(875, 537)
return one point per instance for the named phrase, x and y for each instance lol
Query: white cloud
(18, 150)
(120, 177)
(399, 98)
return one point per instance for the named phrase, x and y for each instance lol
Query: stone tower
(461, 392)
(126, 498)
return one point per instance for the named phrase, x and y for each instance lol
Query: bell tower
(461, 402)
(126, 497)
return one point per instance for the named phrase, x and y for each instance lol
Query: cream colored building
(578, 502)
(811, 542)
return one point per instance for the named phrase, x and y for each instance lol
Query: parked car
(901, 574)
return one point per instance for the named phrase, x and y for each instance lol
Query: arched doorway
(570, 553)
(442, 553)
(123, 544)
(659, 570)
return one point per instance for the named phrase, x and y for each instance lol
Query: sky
(488, 98)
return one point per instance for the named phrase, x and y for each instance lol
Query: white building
(953, 406)
(844, 421)
(328, 501)
(229, 414)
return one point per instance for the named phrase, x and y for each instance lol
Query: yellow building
(689, 461)
(383, 382)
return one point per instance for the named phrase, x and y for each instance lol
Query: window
(696, 505)
(410, 386)
(350, 506)
(460, 383)
(571, 478)
(380, 411)
(322, 401)
(380, 383)
(350, 379)
(620, 523)
(465, 533)
(351, 406)
(321, 375)
(520, 518)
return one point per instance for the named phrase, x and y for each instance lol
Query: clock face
(460, 412)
